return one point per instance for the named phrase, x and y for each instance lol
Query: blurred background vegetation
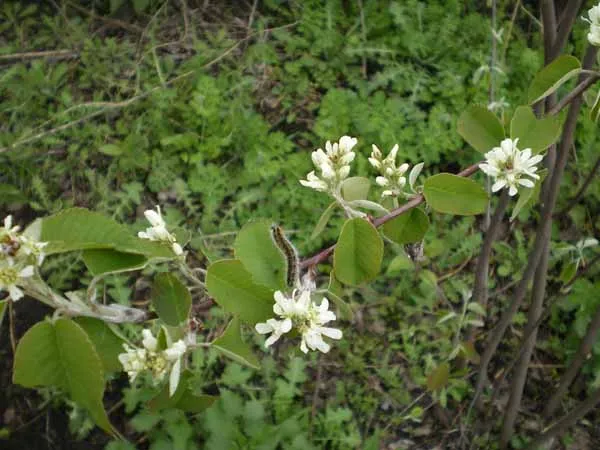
(211, 109)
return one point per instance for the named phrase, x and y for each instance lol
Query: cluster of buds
(391, 176)
(158, 231)
(333, 165)
(299, 312)
(594, 21)
(19, 256)
(509, 166)
(150, 359)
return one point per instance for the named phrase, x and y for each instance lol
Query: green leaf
(358, 253)
(107, 344)
(103, 261)
(10, 194)
(535, 134)
(183, 398)
(232, 287)
(323, 220)
(568, 271)
(439, 377)
(528, 196)
(451, 194)
(255, 248)
(408, 228)
(480, 128)
(230, 343)
(80, 229)
(61, 354)
(171, 299)
(3, 305)
(551, 77)
(594, 111)
(111, 149)
(355, 188)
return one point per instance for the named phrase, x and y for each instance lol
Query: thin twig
(567, 21)
(576, 92)
(11, 326)
(480, 288)
(568, 420)
(54, 54)
(542, 235)
(591, 176)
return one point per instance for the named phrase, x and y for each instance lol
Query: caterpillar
(290, 254)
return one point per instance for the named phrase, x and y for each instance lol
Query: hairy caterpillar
(290, 254)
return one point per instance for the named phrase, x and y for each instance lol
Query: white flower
(158, 231)
(11, 276)
(300, 312)
(277, 328)
(175, 354)
(333, 164)
(9, 230)
(510, 166)
(391, 176)
(594, 21)
(148, 358)
(33, 248)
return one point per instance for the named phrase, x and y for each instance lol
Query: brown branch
(582, 189)
(413, 203)
(582, 352)
(567, 20)
(576, 92)
(566, 421)
(480, 288)
(541, 237)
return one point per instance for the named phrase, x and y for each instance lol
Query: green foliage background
(216, 120)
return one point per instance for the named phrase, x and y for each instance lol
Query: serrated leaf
(451, 194)
(233, 287)
(231, 344)
(61, 354)
(255, 248)
(358, 253)
(532, 133)
(480, 128)
(438, 379)
(551, 77)
(447, 317)
(476, 308)
(323, 220)
(355, 188)
(171, 299)
(408, 228)
(104, 261)
(107, 344)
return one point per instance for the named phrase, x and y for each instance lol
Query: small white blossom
(333, 165)
(158, 363)
(298, 311)
(594, 21)
(509, 166)
(158, 231)
(21, 248)
(13, 276)
(392, 176)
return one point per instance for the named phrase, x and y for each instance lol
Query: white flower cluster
(594, 21)
(298, 311)
(392, 177)
(158, 231)
(158, 363)
(333, 165)
(19, 255)
(509, 166)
